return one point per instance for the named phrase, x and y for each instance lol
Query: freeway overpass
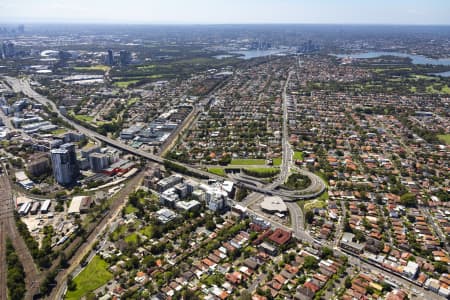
(23, 85)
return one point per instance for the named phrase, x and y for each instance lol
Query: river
(416, 59)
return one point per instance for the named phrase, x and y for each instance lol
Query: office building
(8, 50)
(124, 57)
(109, 58)
(64, 163)
(98, 161)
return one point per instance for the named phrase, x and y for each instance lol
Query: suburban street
(23, 85)
(115, 208)
(297, 219)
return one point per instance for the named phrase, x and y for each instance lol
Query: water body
(416, 59)
(222, 56)
(443, 74)
(249, 54)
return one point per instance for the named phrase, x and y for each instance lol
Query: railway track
(114, 209)
(9, 229)
(3, 267)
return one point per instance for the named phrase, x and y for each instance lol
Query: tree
(187, 294)
(245, 296)
(326, 252)
(348, 282)
(63, 260)
(408, 200)
(310, 263)
(309, 216)
(210, 225)
(71, 285)
(359, 236)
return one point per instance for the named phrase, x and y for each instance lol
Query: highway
(285, 145)
(317, 187)
(294, 209)
(24, 87)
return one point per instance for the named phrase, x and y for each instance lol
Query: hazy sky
(228, 11)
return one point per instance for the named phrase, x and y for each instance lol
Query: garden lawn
(130, 209)
(93, 68)
(84, 118)
(247, 162)
(445, 138)
(298, 155)
(124, 84)
(91, 278)
(217, 171)
(132, 238)
(277, 161)
(59, 131)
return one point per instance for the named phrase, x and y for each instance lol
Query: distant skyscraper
(110, 58)
(21, 29)
(125, 57)
(8, 50)
(64, 163)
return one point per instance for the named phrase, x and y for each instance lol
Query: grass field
(132, 238)
(130, 209)
(445, 138)
(247, 162)
(132, 101)
(317, 203)
(322, 176)
(320, 202)
(91, 278)
(324, 196)
(120, 230)
(423, 77)
(93, 68)
(445, 89)
(262, 172)
(59, 131)
(217, 170)
(298, 155)
(435, 90)
(277, 161)
(262, 169)
(84, 118)
(125, 83)
(146, 68)
(147, 231)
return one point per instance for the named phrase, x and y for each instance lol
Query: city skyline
(401, 12)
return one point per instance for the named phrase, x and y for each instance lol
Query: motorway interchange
(296, 215)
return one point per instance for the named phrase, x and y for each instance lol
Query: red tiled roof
(280, 236)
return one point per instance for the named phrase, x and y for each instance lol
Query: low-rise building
(80, 204)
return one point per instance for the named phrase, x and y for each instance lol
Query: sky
(423, 12)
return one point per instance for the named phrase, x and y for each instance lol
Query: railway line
(9, 229)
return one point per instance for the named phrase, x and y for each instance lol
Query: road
(315, 189)
(285, 145)
(23, 86)
(295, 211)
(437, 229)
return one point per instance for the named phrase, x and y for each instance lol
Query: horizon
(49, 22)
(221, 12)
